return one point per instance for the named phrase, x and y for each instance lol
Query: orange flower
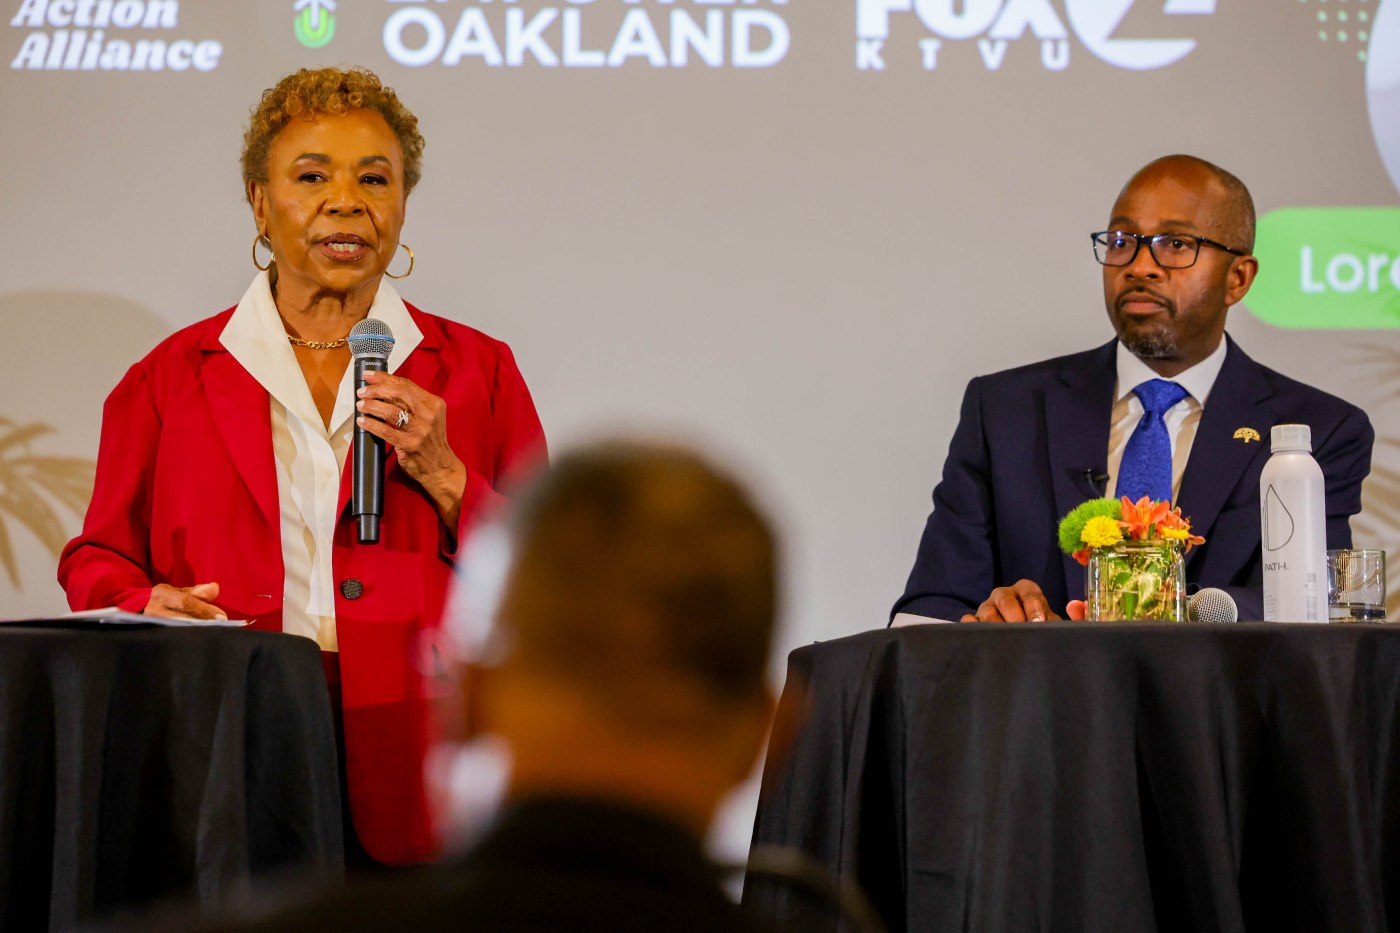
(1174, 526)
(1173, 519)
(1082, 555)
(1139, 518)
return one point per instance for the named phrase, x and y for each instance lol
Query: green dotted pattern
(1343, 22)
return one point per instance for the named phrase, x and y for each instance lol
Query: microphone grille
(1212, 605)
(371, 337)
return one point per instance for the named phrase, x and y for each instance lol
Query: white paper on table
(902, 619)
(114, 616)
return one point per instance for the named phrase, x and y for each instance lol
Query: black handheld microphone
(370, 342)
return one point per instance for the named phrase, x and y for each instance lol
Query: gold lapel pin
(1246, 434)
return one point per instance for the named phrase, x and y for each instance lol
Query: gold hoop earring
(410, 264)
(262, 238)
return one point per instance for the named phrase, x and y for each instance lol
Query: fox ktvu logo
(78, 35)
(996, 24)
(589, 34)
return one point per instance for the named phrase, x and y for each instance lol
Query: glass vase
(1136, 581)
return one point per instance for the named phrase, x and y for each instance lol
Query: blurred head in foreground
(628, 655)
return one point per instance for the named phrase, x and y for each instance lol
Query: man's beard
(1152, 345)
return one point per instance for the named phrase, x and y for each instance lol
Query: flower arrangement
(1104, 522)
(1134, 554)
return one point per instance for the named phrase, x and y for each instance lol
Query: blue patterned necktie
(1146, 469)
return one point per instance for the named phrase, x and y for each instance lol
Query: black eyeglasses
(1171, 250)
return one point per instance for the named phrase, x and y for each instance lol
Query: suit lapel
(1218, 459)
(1078, 409)
(243, 412)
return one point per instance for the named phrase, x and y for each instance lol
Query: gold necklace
(317, 344)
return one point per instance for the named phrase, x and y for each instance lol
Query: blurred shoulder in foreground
(623, 671)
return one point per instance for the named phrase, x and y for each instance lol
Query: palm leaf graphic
(68, 480)
(1376, 526)
(1375, 364)
(7, 555)
(1382, 491)
(35, 489)
(21, 435)
(1379, 363)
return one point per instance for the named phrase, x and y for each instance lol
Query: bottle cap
(1290, 437)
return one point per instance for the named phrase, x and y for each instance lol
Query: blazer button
(351, 589)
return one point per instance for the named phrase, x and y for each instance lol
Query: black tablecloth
(1098, 777)
(142, 762)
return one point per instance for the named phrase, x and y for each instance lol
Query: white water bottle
(1293, 527)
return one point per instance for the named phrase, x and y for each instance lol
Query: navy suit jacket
(1031, 441)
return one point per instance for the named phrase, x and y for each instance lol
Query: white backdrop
(794, 249)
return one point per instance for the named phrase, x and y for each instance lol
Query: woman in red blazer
(221, 488)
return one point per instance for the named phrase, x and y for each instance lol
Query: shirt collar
(1198, 380)
(257, 338)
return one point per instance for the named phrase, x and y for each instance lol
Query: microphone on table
(370, 343)
(1212, 605)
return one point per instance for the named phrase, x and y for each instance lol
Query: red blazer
(186, 493)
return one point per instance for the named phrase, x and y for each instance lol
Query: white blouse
(310, 457)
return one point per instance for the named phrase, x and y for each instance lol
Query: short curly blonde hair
(328, 90)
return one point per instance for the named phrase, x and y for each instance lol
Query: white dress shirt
(1181, 419)
(309, 455)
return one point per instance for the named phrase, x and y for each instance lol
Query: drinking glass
(1356, 585)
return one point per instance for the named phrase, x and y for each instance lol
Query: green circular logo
(314, 25)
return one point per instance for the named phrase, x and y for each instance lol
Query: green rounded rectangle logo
(1328, 268)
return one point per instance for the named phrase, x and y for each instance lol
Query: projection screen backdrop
(788, 231)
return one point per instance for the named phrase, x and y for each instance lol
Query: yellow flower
(1174, 534)
(1101, 531)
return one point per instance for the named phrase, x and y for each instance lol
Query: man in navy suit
(1034, 442)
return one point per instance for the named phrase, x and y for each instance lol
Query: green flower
(1072, 525)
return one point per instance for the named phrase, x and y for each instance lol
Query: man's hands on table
(1022, 601)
